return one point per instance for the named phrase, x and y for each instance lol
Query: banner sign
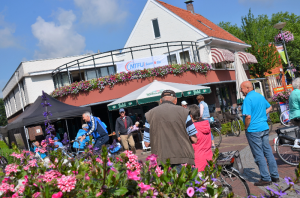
(142, 63)
(290, 87)
(281, 52)
(278, 89)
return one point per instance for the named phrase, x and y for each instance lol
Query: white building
(158, 23)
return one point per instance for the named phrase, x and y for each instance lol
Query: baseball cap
(184, 103)
(168, 93)
(121, 110)
(56, 138)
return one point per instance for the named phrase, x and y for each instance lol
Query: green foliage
(275, 117)
(259, 32)
(226, 127)
(3, 118)
(3, 145)
(6, 152)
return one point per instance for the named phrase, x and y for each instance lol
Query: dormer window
(156, 28)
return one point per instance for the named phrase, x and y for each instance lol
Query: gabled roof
(201, 23)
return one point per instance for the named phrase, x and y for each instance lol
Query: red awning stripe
(247, 57)
(221, 55)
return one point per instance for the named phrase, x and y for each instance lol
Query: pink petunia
(132, 175)
(190, 191)
(57, 195)
(144, 187)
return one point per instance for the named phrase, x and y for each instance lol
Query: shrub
(274, 116)
(6, 152)
(3, 145)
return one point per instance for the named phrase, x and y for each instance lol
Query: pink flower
(87, 177)
(158, 171)
(144, 187)
(36, 195)
(66, 183)
(21, 190)
(50, 175)
(4, 187)
(57, 195)
(190, 191)
(153, 160)
(15, 195)
(11, 168)
(99, 193)
(133, 175)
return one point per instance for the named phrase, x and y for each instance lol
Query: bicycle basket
(292, 131)
(231, 159)
(215, 124)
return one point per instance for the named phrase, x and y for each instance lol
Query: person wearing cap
(57, 144)
(96, 129)
(184, 104)
(80, 133)
(172, 131)
(123, 123)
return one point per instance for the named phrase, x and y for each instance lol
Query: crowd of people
(183, 134)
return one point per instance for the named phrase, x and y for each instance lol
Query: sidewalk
(251, 172)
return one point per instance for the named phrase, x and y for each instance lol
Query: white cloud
(58, 40)
(99, 12)
(7, 30)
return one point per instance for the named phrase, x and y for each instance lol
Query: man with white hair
(96, 128)
(294, 103)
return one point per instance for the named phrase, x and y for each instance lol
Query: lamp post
(279, 26)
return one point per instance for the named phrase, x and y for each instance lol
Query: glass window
(91, 74)
(104, 71)
(184, 57)
(156, 28)
(111, 70)
(218, 65)
(172, 59)
(65, 79)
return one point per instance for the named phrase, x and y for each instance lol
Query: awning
(221, 55)
(247, 58)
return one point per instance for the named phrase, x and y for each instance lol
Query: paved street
(251, 172)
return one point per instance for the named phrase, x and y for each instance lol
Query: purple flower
(202, 189)
(109, 163)
(288, 181)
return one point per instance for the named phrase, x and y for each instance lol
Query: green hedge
(3, 145)
(6, 152)
(275, 117)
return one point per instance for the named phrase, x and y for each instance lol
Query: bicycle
(287, 145)
(215, 130)
(230, 178)
(234, 121)
(284, 118)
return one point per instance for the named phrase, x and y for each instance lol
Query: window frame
(177, 53)
(154, 30)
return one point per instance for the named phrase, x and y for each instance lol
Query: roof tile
(194, 19)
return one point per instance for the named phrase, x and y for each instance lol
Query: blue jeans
(261, 149)
(101, 141)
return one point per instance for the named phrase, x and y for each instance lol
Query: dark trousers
(101, 141)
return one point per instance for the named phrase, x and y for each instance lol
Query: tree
(259, 32)
(3, 119)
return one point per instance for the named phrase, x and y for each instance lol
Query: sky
(40, 29)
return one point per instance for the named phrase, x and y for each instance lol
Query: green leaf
(121, 191)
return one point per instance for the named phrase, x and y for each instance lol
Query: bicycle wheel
(235, 127)
(270, 123)
(284, 118)
(232, 182)
(217, 136)
(287, 154)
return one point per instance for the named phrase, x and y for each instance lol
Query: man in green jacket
(294, 103)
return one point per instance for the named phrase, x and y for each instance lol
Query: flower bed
(100, 83)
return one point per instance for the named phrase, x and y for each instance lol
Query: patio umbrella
(240, 76)
(152, 92)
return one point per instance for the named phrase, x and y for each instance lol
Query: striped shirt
(190, 129)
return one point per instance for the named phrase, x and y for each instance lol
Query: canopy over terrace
(151, 93)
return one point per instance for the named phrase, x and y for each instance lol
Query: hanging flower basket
(282, 96)
(286, 35)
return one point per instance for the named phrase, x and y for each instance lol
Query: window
(184, 57)
(91, 73)
(111, 70)
(104, 71)
(156, 28)
(172, 59)
(229, 65)
(218, 65)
